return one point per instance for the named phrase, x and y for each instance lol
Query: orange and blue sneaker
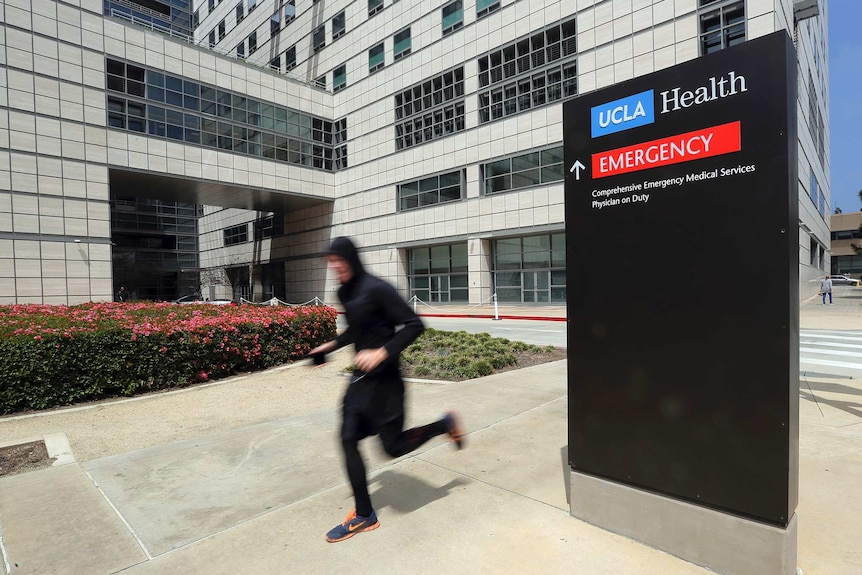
(454, 429)
(352, 525)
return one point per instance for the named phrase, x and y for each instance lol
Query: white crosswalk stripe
(831, 352)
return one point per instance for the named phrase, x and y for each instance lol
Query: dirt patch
(22, 458)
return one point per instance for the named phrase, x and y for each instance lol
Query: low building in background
(846, 239)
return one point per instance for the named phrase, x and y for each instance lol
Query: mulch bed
(22, 458)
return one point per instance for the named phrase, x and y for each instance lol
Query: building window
(210, 6)
(402, 43)
(269, 227)
(240, 12)
(524, 171)
(221, 30)
(430, 110)
(252, 43)
(321, 82)
(485, 7)
(376, 58)
(431, 191)
(240, 50)
(275, 64)
(530, 269)
(236, 235)
(196, 18)
(319, 40)
(528, 73)
(290, 59)
(374, 6)
(338, 25)
(252, 4)
(289, 11)
(439, 274)
(275, 23)
(339, 78)
(116, 112)
(452, 16)
(722, 24)
(212, 38)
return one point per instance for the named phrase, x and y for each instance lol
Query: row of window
(193, 129)
(431, 191)
(173, 18)
(528, 53)
(429, 94)
(530, 269)
(204, 115)
(159, 87)
(268, 227)
(815, 120)
(440, 123)
(523, 171)
(532, 91)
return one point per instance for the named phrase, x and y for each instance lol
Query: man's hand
(318, 354)
(323, 348)
(368, 359)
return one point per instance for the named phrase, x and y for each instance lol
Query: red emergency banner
(705, 143)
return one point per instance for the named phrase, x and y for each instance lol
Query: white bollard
(496, 311)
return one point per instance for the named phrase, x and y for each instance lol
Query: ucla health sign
(682, 281)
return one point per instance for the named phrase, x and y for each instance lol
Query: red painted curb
(484, 316)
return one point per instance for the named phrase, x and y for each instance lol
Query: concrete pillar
(479, 270)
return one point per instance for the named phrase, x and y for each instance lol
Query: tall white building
(430, 132)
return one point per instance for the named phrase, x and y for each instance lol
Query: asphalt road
(529, 331)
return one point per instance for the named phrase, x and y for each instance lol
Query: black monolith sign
(682, 263)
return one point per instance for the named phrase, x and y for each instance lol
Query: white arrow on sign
(577, 167)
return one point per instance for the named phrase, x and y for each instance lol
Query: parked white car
(844, 281)
(196, 299)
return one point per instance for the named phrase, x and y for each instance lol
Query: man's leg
(362, 518)
(830, 297)
(356, 474)
(398, 442)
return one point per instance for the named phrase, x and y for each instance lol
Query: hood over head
(345, 249)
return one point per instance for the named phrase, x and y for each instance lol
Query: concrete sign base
(720, 542)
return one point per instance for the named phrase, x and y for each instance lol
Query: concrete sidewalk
(258, 499)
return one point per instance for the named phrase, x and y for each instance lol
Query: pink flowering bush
(57, 355)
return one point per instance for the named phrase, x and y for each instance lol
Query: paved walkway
(235, 482)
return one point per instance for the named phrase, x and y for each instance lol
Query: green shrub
(57, 355)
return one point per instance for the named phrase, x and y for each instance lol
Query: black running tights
(396, 442)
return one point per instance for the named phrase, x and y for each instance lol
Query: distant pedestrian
(826, 288)
(374, 401)
(123, 295)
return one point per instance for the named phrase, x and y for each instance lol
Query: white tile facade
(56, 150)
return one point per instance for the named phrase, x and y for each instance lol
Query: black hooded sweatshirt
(373, 310)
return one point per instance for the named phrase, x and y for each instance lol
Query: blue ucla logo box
(623, 114)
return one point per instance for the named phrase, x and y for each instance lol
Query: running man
(374, 401)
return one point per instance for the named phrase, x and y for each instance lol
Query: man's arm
(397, 312)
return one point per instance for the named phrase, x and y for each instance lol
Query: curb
(489, 316)
(57, 445)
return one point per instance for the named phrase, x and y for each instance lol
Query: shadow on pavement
(406, 493)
